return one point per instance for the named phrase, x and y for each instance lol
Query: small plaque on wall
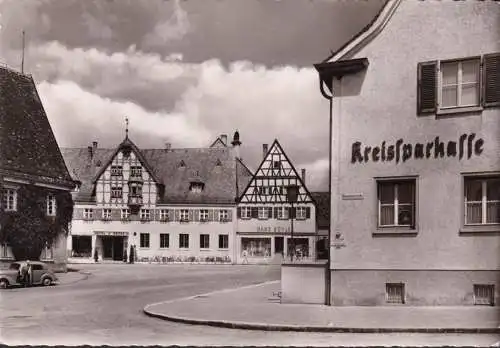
(352, 197)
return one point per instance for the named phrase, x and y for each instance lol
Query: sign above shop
(466, 145)
(110, 233)
(275, 229)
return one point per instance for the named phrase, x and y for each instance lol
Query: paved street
(107, 308)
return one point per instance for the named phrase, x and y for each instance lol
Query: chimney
(168, 146)
(223, 137)
(264, 150)
(304, 176)
(90, 152)
(94, 145)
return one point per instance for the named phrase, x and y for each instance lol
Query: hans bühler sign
(465, 145)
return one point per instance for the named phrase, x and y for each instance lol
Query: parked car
(40, 273)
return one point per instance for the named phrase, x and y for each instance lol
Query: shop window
(395, 293)
(183, 240)
(482, 200)
(301, 246)
(223, 241)
(144, 240)
(396, 203)
(9, 201)
(484, 294)
(256, 247)
(81, 246)
(204, 241)
(51, 205)
(164, 240)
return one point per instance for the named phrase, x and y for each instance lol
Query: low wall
(303, 282)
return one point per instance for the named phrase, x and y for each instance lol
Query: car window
(14, 266)
(37, 267)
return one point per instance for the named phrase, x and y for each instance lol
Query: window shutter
(270, 213)
(196, 215)
(276, 212)
(230, 214)
(292, 211)
(238, 212)
(116, 214)
(190, 214)
(427, 88)
(177, 215)
(255, 212)
(171, 214)
(491, 80)
(308, 212)
(210, 215)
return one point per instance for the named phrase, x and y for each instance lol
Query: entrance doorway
(279, 245)
(112, 248)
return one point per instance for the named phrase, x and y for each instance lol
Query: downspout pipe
(328, 270)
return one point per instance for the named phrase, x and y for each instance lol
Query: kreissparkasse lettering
(400, 151)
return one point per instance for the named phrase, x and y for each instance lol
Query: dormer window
(182, 164)
(218, 163)
(196, 187)
(116, 170)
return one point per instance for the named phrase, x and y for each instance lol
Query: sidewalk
(254, 308)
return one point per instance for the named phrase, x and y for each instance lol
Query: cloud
(174, 28)
(88, 93)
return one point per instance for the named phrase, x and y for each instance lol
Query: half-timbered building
(271, 222)
(167, 204)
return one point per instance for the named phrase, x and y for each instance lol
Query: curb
(297, 328)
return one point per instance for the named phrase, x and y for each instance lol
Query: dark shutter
(427, 88)
(308, 212)
(255, 212)
(270, 213)
(239, 212)
(491, 80)
(276, 212)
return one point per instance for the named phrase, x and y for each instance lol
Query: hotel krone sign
(465, 146)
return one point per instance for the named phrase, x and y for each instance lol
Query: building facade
(416, 157)
(168, 204)
(35, 185)
(268, 223)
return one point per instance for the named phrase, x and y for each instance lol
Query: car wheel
(46, 281)
(4, 283)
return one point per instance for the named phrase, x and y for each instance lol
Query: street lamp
(292, 192)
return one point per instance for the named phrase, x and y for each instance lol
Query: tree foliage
(28, 229)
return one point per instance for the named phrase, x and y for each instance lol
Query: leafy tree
(28, 229)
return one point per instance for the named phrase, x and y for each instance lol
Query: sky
(185, 71)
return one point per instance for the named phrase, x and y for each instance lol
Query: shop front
(112, 245)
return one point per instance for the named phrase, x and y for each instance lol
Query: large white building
(182, 204)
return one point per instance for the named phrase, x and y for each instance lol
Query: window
(136, 171)
(4, 250)
(164, 240)
(10, 199)
(106, 214)
(255, 247)
(88, 213)
(396, 201)
(246, 212)
(145, 214)
(47, 253)
(484, 294)
(163, 214)
(116, 192)
(482, 201)
(183, 240)
(204, 241)
(51, 205)
(455, 85)
(184, 215)
(125, 214)
(276, 164)
(223, 241)
(223, 215)
(196, 187)
(81, 246)
(395, 293)
(204, 215)
(144, 242)
(301, 213)
(459, 83)
(263, 213)
(135, 190)
(116, 171)
(282, 213)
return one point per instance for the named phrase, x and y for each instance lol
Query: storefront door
(112, 248)
(278, 245)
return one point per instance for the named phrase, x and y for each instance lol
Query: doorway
(112, 248)
(278, 245)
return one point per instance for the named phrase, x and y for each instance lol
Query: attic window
(98, 163)
(276, 164)
(218, 163)
(196, 187)
(182, 164)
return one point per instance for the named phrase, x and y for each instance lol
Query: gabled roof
(322, 200)
(130, 144)
(259, 172)
(200, 166)
(367, 33)
(28, 147)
